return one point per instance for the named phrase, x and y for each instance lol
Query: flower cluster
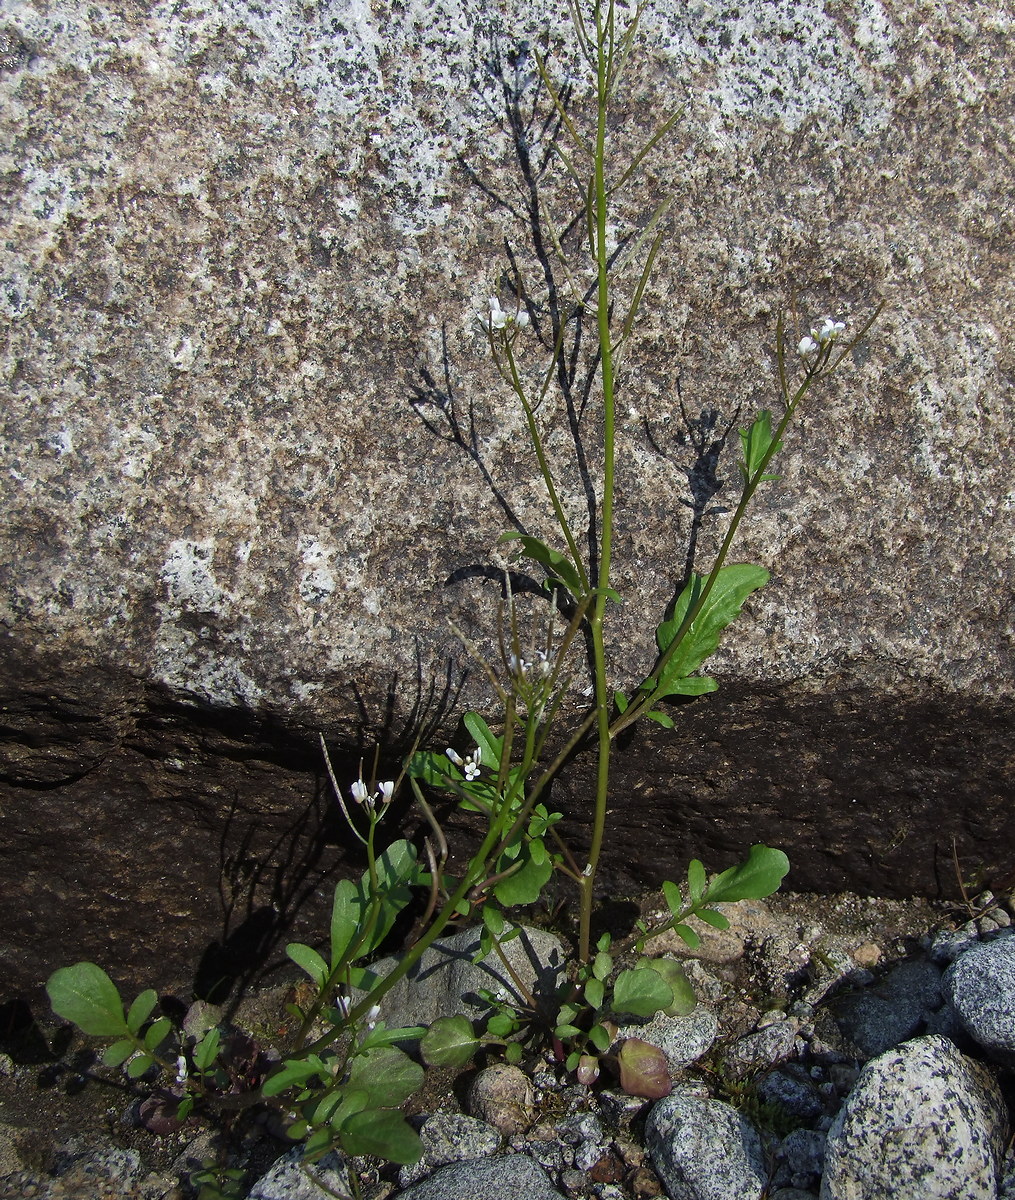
(821, 336)
(469, 764)
(499, 319)
(539, 666)
(361, 793)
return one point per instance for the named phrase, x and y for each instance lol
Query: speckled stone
(923, 1122)
(980, 986)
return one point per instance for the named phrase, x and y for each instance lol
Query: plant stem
(604, 70)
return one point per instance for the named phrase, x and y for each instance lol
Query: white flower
(472, 764)
(469, 764)
(373, 1012)
(359, 792)
(807, 346)
(829, 330)
(385, 791)
(499, 319)
(181, 1070)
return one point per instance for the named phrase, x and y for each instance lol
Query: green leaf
(602, 965)
(713, 918)
(397, 870)
(502, 1025)
(389, 1076)
(696, 879)
(594, 993)
(600, 1037)
(87, 996)
(308, 960)
(732, 586)
(206, 1050)
(141, 1010)
(383, 1133)
(346, 915)
(621, 701)
(493, 920)
(558, 566)
(641, 992)
(294, 1073)
(137, 1066)
(566, 1031)
(526, 884)
(118, 1053)
(754, 879)
(432, 768)
(157, 1033)
(755, 443)
(644, 1070)
(664, 719)
(449, 1042)
(674, 900)
(672, 973)
(688, 934)
(513, 1052)
(491, 747)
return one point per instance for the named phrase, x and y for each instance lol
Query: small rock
(502, 1096)
(880, 1017)
(980, 985)
(646, 1183)
(793, 1090)
(763, 1049)
(705, 1150)
(509, 1177)
(868, 955)
(803, 1158)
(923, 1122)
(449, 1137)
(292, 1179)
(947, 945)
(682, 1039)
(447, 982)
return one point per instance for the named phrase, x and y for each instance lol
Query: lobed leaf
(524, 885)
(118, 1053)
(733, 584)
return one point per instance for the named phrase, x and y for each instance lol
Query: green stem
(604, 65)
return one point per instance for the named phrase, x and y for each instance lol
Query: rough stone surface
(502, 1095)
(895, 1009)
(446, 982)
(449, 1138)
(504, 1178)
(923, 1122)
(704, 1150)
(980, 986)
(682, 1039)
(291, 1179)
(243, 256)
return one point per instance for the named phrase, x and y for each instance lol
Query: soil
(58, 1104)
